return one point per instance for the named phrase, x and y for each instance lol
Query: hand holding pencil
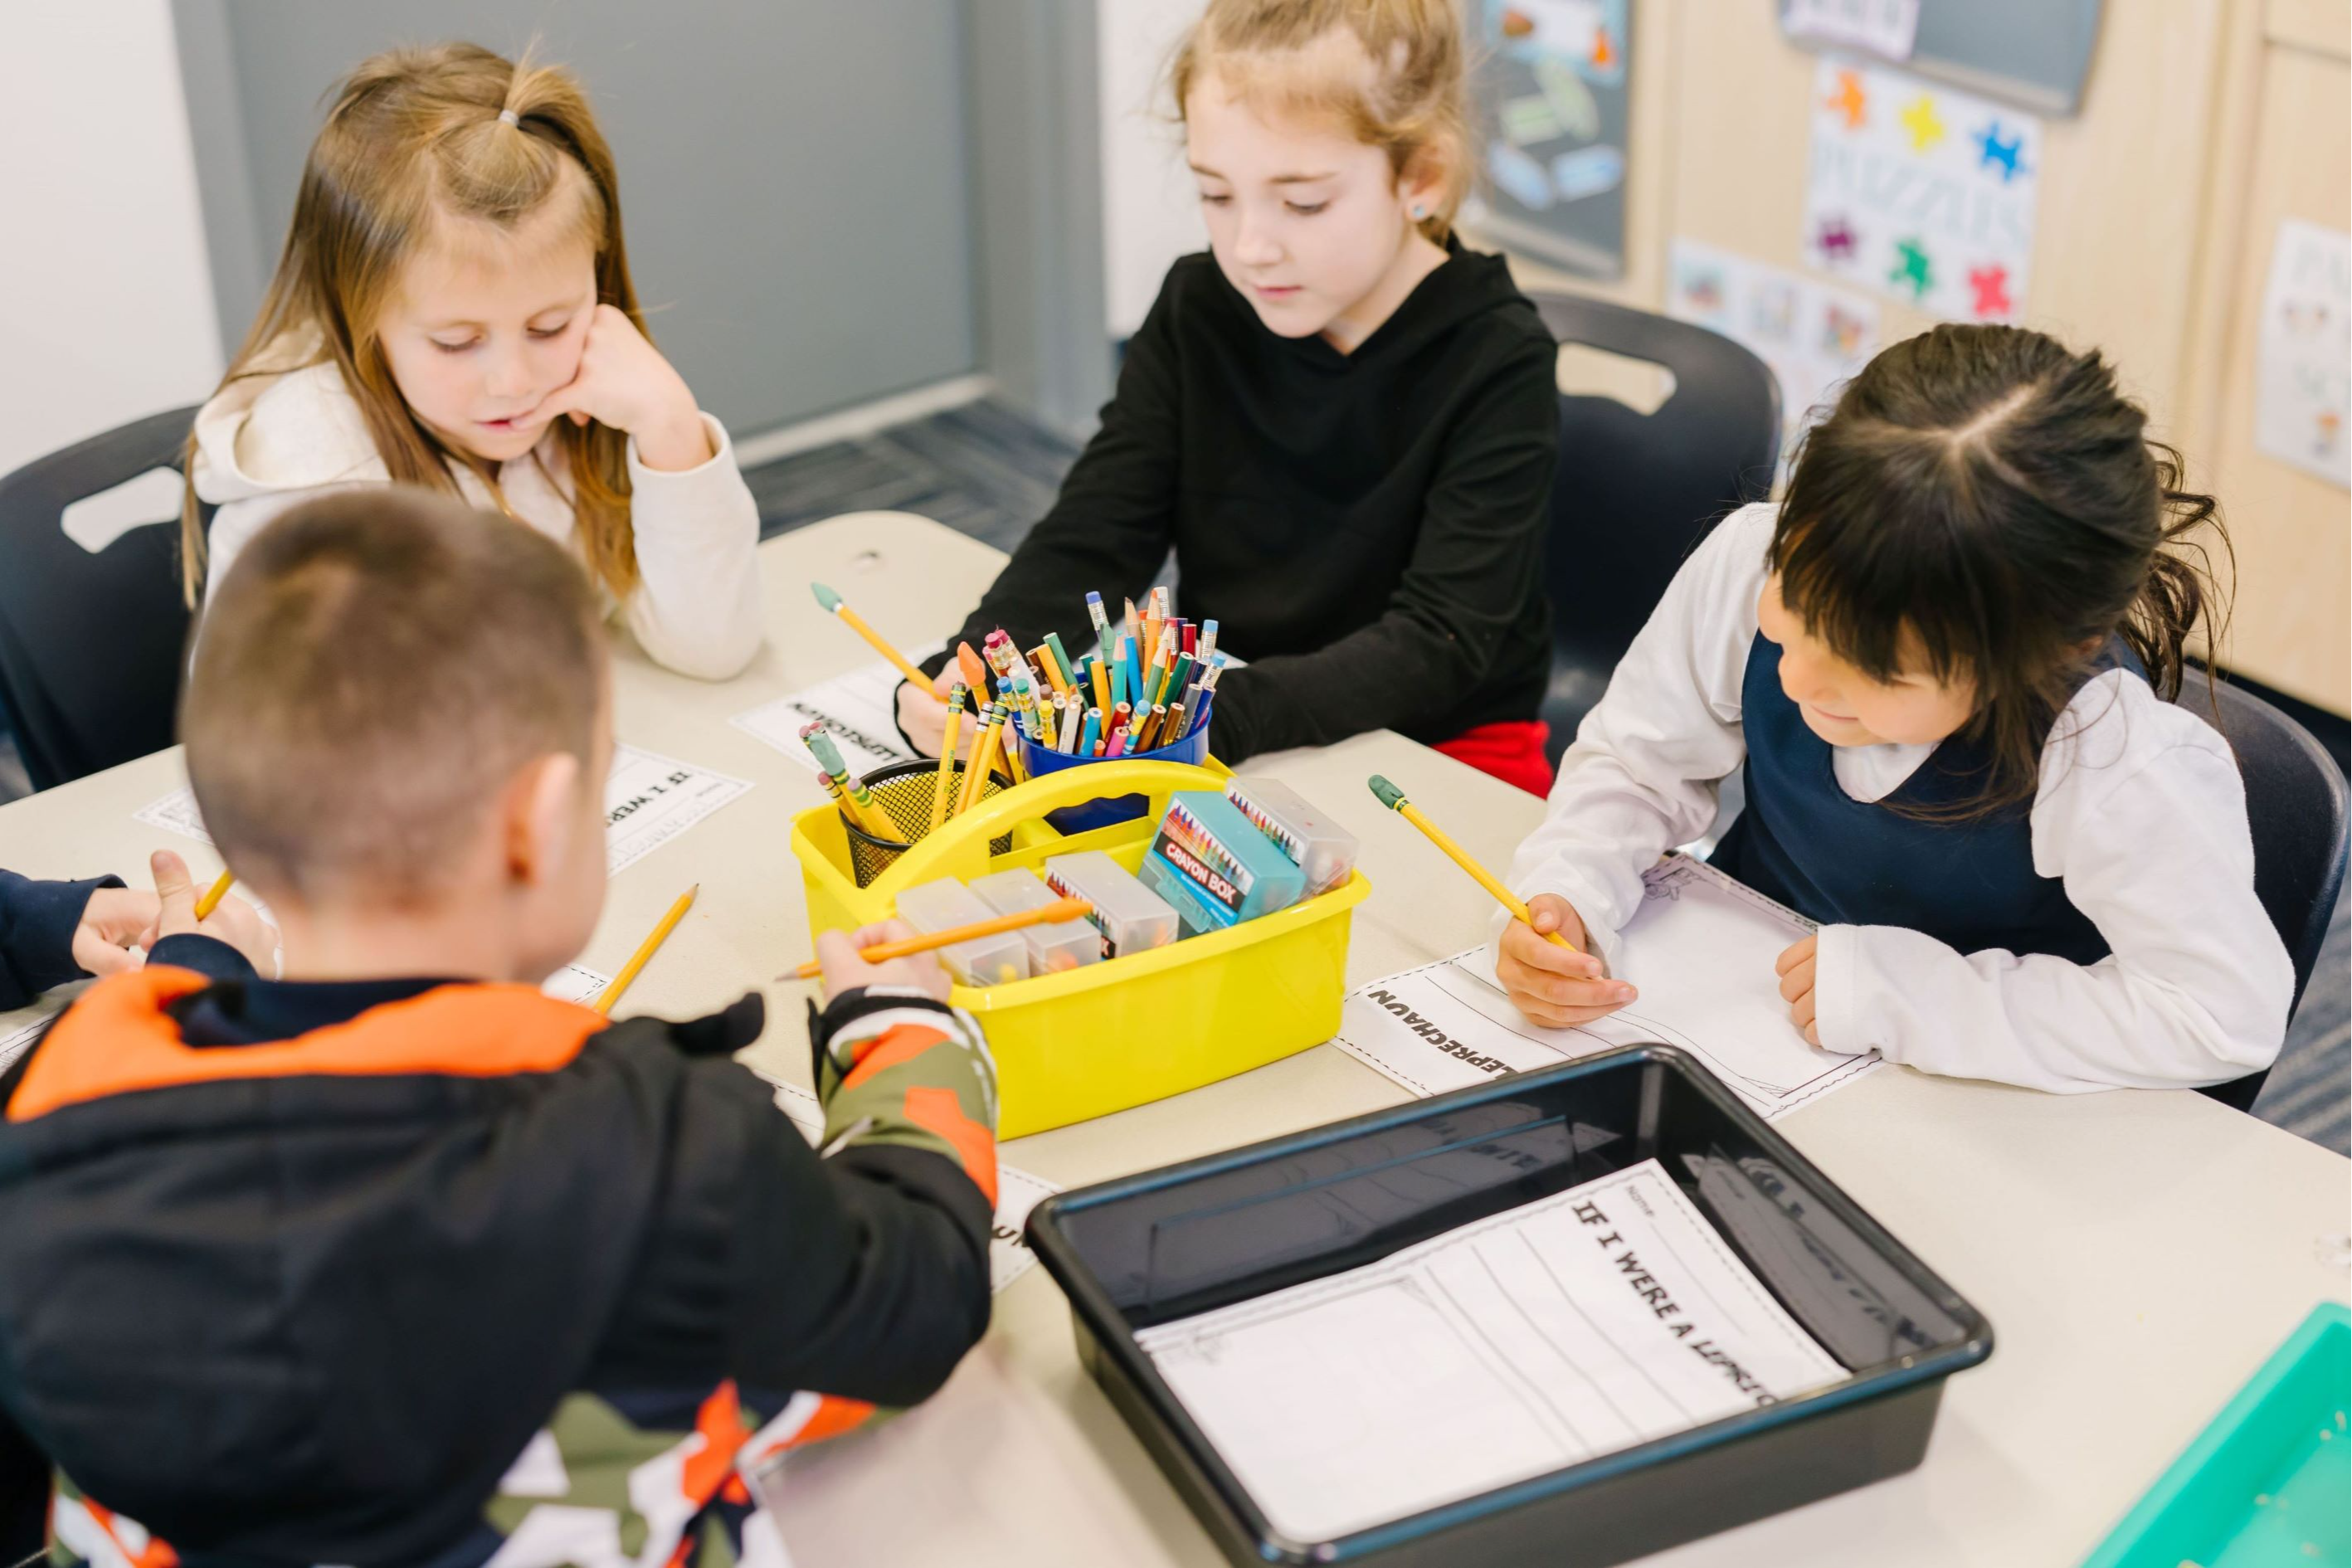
(848, 960)
(1542, 962)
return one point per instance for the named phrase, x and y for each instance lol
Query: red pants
(1512, 753)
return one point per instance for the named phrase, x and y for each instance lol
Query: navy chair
(90, 642)
(1636, 492)
(2295, 808)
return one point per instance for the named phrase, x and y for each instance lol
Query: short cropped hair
(371, 671)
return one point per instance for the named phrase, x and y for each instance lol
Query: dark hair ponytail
(1987, 500)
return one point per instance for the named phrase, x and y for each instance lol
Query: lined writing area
(1600, 1318)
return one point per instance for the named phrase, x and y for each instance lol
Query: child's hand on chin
(1551, 984)
(623, 381)
(1795, 968)
(845, 968)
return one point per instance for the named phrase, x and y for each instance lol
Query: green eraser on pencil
(827, 754)
(1387, 793)
(826, 597)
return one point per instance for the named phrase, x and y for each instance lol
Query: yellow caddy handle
(950, 851)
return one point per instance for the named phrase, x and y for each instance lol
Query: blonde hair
(1399, 88)
(413, 136)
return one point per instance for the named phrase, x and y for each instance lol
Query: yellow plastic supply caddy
(1125, 1031)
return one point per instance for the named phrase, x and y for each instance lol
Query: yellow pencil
(215, 893)
(984, 757)
(1060, 909)
(856, 623)
(947, 756)
(1393, 798)
(646, 950)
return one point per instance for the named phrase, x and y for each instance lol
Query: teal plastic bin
(2268, 1483)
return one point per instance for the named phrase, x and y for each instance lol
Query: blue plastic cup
(1087, 815)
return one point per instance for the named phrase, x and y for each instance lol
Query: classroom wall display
(1814, 335)
(1921, 192)
(2035, 53)
(1551, 107)
(1888, 28)
(2302, 358)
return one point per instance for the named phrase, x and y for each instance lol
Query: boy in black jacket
(399, 1260)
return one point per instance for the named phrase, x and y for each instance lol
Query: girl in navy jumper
(1945, 663)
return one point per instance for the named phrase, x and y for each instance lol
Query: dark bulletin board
(1549, 116)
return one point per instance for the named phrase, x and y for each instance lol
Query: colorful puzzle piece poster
(2303, 356)
(1921, 192)
(1813, 336)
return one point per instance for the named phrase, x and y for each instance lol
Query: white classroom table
(2139, 1254)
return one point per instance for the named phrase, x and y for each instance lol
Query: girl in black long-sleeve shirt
(1341, 422)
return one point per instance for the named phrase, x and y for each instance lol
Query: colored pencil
(215, 893)
(646, 950)
(856, 623)
(1042, 655)
(1060, 909)
(1393, 798)
(1101, 619)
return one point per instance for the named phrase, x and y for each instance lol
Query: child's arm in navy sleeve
(37, 932)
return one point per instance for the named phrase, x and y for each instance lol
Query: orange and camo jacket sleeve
(858, 1267)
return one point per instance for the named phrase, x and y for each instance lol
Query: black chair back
(2295, 808)
(1636, 492)
(90, 642)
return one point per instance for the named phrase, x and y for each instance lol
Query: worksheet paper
(649, 799)
(18, 1041)
(1603, 1317)
(1017, 1191)
(859, 709)
(1700, 953)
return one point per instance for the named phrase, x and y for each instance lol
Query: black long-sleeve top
(1365, 528)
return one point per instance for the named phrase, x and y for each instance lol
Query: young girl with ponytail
(453, 309)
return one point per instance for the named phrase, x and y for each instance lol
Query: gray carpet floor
(989, 473)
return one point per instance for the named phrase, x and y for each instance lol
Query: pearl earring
(1419, 212)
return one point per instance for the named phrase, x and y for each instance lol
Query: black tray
(1189, 1238)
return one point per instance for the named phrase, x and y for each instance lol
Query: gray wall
(796, 176)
